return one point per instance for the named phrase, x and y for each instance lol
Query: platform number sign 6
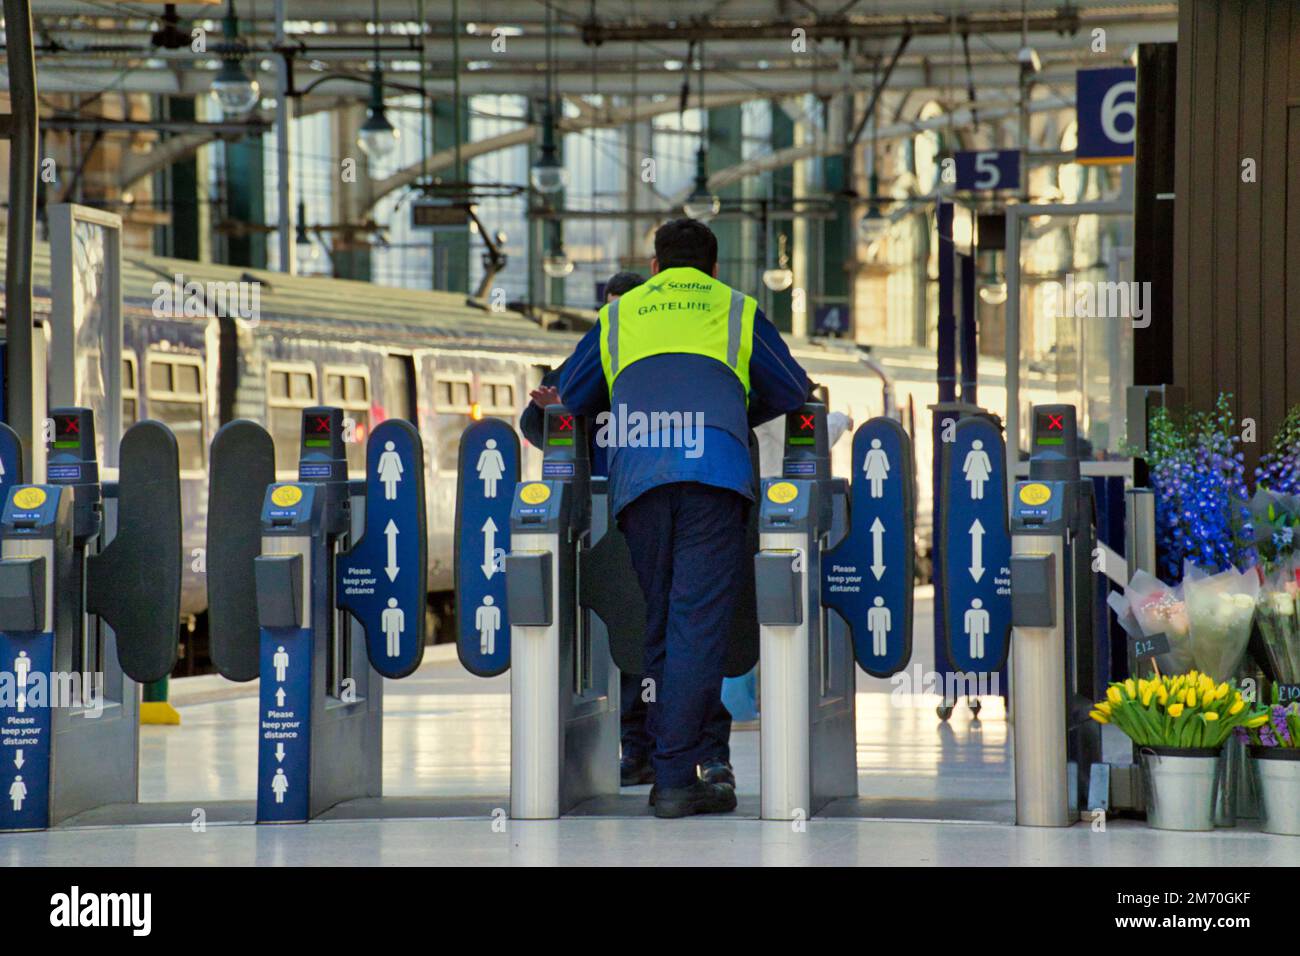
(1107, 110)
(988, 169)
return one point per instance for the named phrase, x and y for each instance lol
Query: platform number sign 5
(1107, 110)
(988, 169)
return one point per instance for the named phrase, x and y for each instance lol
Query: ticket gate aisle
(807, 719)
(1054, 677)
(90, 583)
(564, 691)
(318, 588)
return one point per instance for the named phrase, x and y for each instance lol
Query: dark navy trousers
(688, 543)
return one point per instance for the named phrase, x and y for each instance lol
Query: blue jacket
(533, 422)
(706, 439)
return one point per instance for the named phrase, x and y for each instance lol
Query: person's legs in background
(635, 767)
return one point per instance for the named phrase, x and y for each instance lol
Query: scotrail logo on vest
(623, 429)
(102, 910)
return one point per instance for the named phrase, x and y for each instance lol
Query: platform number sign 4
(1107, 111)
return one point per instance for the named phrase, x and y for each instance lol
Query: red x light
(805, 422)
(566, 423)
(321, 425)
(1054, 422)
(71, 426)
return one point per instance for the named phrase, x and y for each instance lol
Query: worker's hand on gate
(545, 395)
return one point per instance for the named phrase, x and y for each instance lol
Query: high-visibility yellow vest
(678, 310)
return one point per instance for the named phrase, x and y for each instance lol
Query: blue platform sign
(988, 169)
(867, 577)
(1106, 104)
(975, 548)
(488, 471)
(831, 320)
(284, 725)
(382, 580)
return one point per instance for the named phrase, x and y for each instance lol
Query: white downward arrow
(976, 549)
(877, 548)
(489, 547)
(279, 753)
(391, 534)
(279, 697)
(18, 758)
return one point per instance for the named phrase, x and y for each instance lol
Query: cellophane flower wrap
(1185, 711)
(1220, 608)
(1159, 609)
(1278, 617)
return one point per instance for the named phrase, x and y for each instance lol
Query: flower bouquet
(1279, 625)
(1275, 519)
(1220, 608)
(1181, 724)
(1159, 609)
(1275, 751)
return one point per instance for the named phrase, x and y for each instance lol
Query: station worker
(634, 760)
(686, 346)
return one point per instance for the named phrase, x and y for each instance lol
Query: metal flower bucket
(1181, 785)
(1277, 770)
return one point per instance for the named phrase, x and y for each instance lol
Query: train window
(349, 389)
(176, 400)
(453, 408)
(130, 391)
(291, 389)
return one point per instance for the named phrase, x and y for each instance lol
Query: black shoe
(633, 772)
(699, 797)
(718, 771)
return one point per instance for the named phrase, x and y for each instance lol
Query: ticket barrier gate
(90, 584)
(318, 588)
(564, 694)
(807, 725)
(1053, 670)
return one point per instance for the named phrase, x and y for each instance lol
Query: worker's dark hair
(686, 242)
(621, 282)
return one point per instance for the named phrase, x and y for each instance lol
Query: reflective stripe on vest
(678, 310)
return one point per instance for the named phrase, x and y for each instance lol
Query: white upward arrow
(489, 547)
(279, 697)
(391, 534)
(877, 548)
(976, 549)
(18, 758)
(279, 753)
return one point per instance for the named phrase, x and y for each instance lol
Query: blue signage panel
(831, 320)
(284, 725)
(985, 169)
(11, 460)
(382, 580)
(1106, 104)
(485, 488)
(26, 708)
(975, 548)
(867, 577)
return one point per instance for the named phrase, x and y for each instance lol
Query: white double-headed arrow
(976, 550)
(489, 547)
(390, 533)
(877, 548)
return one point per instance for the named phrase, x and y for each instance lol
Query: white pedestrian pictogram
(22, 667)
(488, 621)
(976, 623)
(491, 468)
(280, 661)
(879, 621)
(875, 468)
(279, 785)
(393, 623)
(390, 471)
(18, 792)
(977, 468)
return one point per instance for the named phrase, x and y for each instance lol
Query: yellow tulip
(1237, 707)
(1163, 694)
(1104, 707)
(1147, 695)
(1175, 710)
(1224, 690)
(1114, 696)
(1131, 688)
(1191, 698)
(1259, 721)
(1210, 715)
(1098, 716)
